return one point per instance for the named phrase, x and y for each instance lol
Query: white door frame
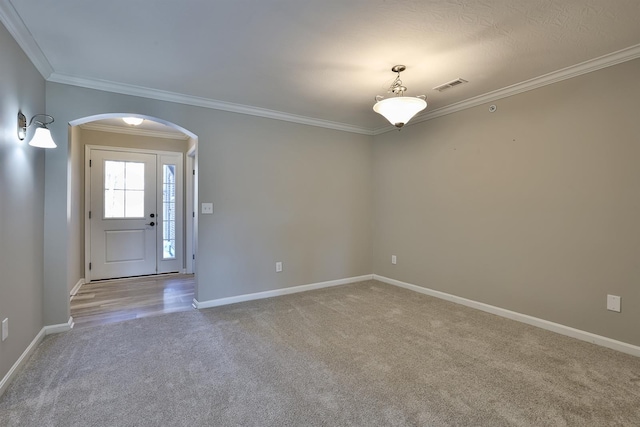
(87, 196)
(191, 211)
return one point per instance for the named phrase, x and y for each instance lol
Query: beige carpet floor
(365, 354)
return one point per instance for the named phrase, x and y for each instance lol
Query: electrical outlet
(394, 260)
(613, 303)
(278, 267)
(207, 208)
(5, 329)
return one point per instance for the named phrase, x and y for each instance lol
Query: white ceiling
(319, 59)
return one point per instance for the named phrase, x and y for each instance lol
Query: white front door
(123, 217)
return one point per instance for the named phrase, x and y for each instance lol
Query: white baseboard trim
(524, 318)
(62, 327)
(76, 288)
(277, 292)
(4, 383)
(47, 330)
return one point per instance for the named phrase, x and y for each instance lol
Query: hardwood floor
(123, 299)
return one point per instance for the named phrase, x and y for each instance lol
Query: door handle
(151, 223)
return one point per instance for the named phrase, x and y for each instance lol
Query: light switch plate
(613, 303)
(5, 329)
(278, 267)
(207, 208)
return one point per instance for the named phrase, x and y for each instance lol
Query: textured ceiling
(324, 59)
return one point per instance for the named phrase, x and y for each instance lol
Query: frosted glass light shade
(42, 139)
(134, 121)
(399, 109)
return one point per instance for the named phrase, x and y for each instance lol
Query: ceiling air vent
(449, 85)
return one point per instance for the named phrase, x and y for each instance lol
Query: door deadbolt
(152, 215)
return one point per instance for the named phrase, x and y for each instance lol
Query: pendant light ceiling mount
(399, 109)
(396, 86)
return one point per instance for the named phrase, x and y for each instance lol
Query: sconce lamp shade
(400, 109)
(42, 139)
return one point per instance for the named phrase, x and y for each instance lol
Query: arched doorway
(98, 146)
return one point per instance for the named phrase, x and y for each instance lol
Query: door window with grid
(123, 189)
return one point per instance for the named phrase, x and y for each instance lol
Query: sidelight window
(168, 211)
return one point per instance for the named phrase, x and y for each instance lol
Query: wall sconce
(42, 137)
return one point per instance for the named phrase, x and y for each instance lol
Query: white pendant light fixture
(42, 137)
(133, 121)
(399, 109)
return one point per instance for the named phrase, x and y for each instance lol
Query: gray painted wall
(21, 203)
(281, 192)
(534, 208)
(75, 257)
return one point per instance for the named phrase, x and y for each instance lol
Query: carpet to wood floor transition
(365, 354)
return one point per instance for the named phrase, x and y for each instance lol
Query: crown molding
(134, 131)
(604, 61)
(16, 27)
(197, 101)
